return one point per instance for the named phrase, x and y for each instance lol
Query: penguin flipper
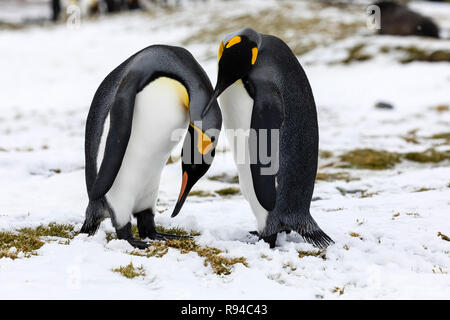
(268, 114)
(121, 118)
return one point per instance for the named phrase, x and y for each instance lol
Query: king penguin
(264, 90)
(129, 136)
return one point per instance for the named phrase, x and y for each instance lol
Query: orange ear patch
(233, 41)
(254, 55)
(204, 143)
(219, 55)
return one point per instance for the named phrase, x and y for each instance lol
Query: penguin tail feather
(96, 212)
(304, 224)
(316, 237)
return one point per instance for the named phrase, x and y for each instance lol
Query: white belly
(159, 110)
(237, 106)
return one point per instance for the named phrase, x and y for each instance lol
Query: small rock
(384, 105)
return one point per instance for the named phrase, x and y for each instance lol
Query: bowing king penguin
(128, 140)
(263, 89)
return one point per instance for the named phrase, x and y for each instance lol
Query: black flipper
(121, 118)
(96, 211)
(267, 114)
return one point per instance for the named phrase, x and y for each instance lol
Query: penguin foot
(125, 233)
(147, 228)
(138, 244)
(271, 240)
(256, 233)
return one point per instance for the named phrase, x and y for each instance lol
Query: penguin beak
(185, 188)
(211, 102)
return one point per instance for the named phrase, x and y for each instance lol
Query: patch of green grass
(278, 22)
(355, 235)
(441, 108)
(324, 176)
(228, 191)
(22, 242)
(289, 266)
(308, 253)
(413, 53)
(338, 290)
(10, 26)
(28, 240)
(213, 256)
(51, 230)
(370, 159)
(429, 155)
(200, 193)
(325, 154)
(176, 231)
(130, 272)
(442, 136)
(416, 54)
(410, 139)
(226, 178)
(423, 189)
(381, 160)
(365, 194)
(355, 53)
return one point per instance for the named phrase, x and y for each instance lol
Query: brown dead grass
(129, 271)
(443, 236)
(370, 159)
(28, 240)
(278, 22)
(213, 257)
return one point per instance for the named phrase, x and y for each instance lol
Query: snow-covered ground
(49, 76)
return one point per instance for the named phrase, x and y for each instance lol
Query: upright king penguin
(132, 118)
(262, 85)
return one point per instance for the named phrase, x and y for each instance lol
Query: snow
(49, 75)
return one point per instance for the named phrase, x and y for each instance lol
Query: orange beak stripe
(183, 184)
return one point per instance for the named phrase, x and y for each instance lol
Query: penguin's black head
(237, 55)
(197, 155)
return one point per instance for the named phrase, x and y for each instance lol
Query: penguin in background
(398, 19)
(132, 118)
(262, 85)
